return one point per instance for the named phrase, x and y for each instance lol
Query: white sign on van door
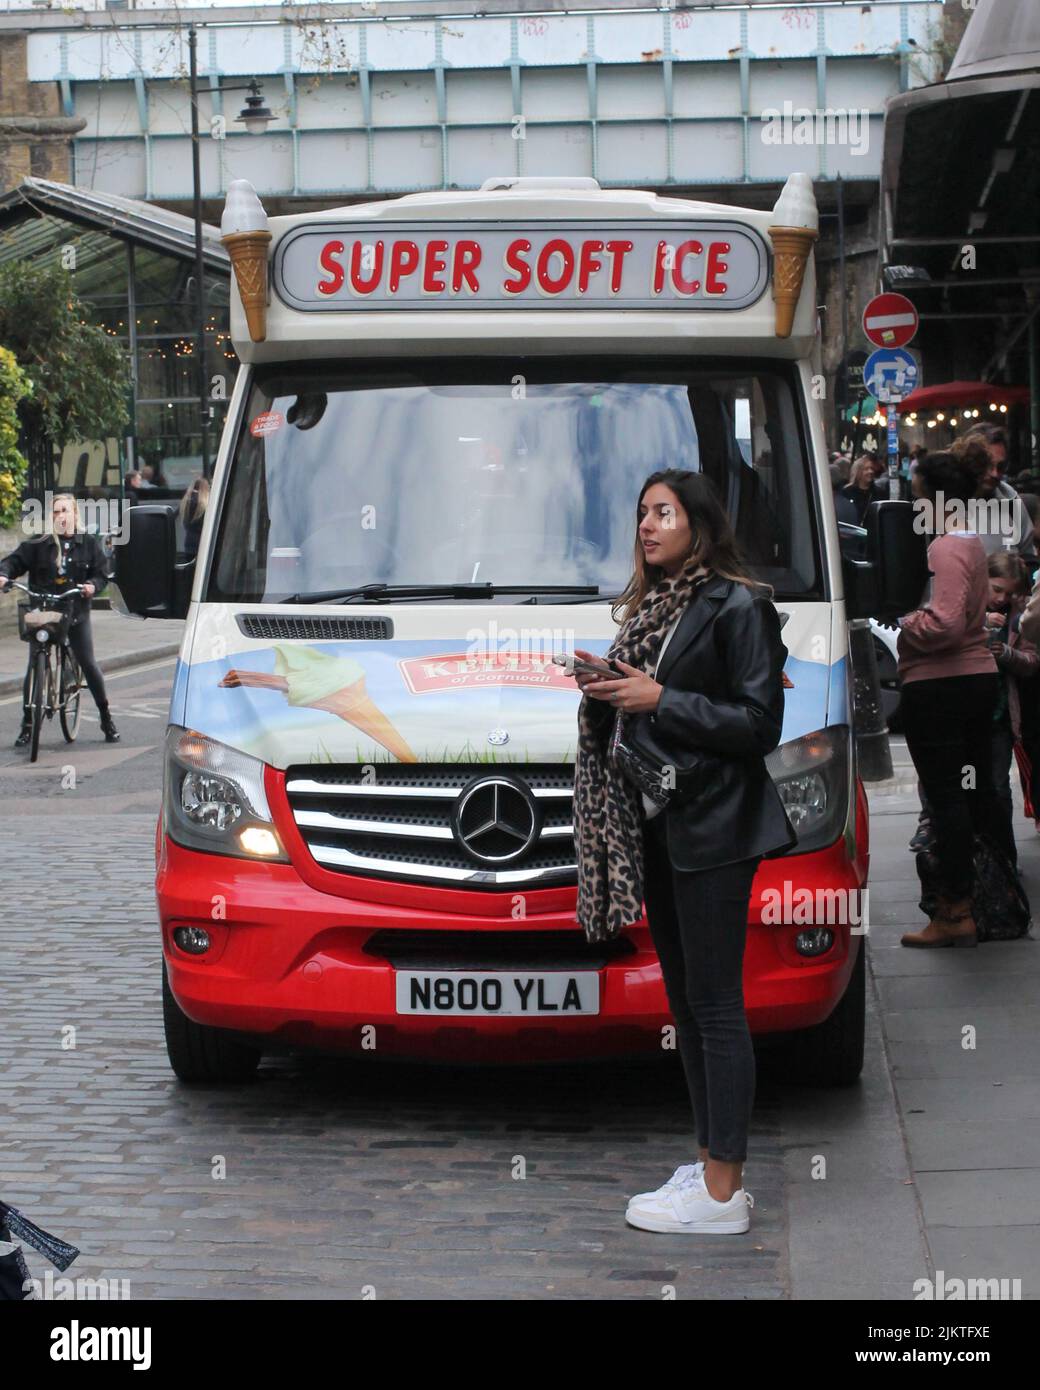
(703, 265)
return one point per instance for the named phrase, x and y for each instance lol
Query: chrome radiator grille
(466, 825)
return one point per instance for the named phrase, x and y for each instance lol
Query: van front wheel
(831, 1054)
(198, 1053)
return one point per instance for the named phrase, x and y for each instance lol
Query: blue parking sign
(890, 374)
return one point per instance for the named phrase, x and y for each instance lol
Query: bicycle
(56, 679)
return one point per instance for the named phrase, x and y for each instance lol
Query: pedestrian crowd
(969, 670)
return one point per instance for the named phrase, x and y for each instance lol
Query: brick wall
(35, 138)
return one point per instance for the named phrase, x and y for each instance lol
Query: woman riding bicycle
(58, 561)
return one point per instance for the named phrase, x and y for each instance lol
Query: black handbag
(15, 1281)
(657, 771)
(999, 903)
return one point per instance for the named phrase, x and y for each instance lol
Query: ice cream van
(425, 491)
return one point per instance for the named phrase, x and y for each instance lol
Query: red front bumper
(288, 958)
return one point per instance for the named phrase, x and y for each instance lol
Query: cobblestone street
(338, 1174)
(332, 1178)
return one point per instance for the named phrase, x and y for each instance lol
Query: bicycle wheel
(69, 694)
(39, 682)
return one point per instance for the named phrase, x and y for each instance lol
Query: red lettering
(618, 251)
(716, 267)
(556, 247)
(404, 260)
(682, 285)
(327, 261)
(358, 284)
(588, 264)
(660, 257)
(514, 251)
(434, 265)
(465, 262)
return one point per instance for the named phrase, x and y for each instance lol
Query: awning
(40, 201)
(963, 393)
(960, 198)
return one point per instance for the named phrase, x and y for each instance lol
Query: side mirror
(899, 553)
(150, 581)
(885, 562)
(857, 571)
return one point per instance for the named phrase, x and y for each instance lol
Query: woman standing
(699, 654)
(192, 512)
(950, 687)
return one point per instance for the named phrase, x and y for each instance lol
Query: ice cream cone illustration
(794, 229)
(335, 684)
(243, 230)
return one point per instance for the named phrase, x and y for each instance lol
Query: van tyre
(198, 1053)
(831, 1054)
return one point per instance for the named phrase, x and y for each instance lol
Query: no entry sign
(890, 320)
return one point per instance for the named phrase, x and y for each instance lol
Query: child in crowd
(1017, 660)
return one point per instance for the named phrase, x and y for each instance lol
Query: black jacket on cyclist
(83, 561)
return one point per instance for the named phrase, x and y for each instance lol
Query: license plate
(497, 993)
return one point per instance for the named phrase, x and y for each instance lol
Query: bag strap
(59, 1252)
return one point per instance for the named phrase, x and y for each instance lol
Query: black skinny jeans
(949, 731)
(698, 923)
(81, 640)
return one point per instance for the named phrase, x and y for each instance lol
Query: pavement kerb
(10, 685)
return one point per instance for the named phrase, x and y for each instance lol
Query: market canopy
(963, 393)
(961, 170)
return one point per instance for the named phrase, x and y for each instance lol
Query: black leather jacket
(37, 558)
(722, 674)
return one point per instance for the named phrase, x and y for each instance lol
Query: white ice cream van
(425, 490)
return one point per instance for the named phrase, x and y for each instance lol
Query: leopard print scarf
(608, 814)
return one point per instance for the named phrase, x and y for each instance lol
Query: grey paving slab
(850, 1187)
(991, 1252)
(947, 1145)
(964, 990)
(991, 958)
(990, 1060)
(981, 1197)
(940, 1023)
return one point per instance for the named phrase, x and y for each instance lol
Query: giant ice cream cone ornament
(244, 231)
(794, 228)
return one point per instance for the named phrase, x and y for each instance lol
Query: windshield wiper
(374, 592)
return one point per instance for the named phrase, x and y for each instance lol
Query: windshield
(504, 472)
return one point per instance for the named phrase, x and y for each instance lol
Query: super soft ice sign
(708, 265)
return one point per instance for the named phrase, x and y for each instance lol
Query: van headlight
(812, 776)
(214, 799)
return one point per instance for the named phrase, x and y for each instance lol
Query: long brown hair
(713, 545)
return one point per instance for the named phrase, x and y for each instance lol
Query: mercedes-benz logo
(496, 820)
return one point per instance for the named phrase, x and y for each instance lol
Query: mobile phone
(576, 663)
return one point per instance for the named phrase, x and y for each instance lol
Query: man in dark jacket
(53, 563)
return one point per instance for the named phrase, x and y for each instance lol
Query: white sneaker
(680, 1176)
(690, 1209)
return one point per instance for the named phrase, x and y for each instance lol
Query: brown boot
(951, 925)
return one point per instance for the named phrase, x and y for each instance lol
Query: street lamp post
(200, 290)
(255, 116)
